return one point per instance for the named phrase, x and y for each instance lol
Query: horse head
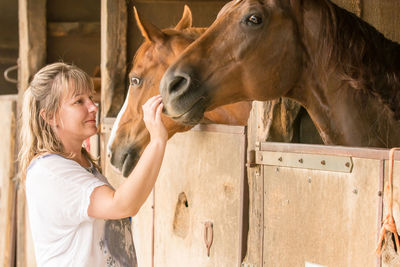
(225, 64)
(160, 48)
(325, 58)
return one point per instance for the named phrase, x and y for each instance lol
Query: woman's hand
(152, 119)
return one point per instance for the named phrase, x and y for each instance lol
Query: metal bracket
(305, 161)
(251, 156)
(251, 159)
(106, 125)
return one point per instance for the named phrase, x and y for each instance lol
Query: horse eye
(254, 19)
(135, 81)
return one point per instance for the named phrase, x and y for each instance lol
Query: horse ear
(149, 31)
(186, 20)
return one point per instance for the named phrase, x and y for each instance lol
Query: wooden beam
(113, 55)
(32, 56)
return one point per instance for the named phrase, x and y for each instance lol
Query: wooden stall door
(321, 217)
(322, 205)
(200, 183)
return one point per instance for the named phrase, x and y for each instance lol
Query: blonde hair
(49, 85)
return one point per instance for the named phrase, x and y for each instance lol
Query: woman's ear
(48, 120)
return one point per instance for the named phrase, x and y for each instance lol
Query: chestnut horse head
(129, 135)
(341, 69)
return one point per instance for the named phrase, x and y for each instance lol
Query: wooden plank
(32, 56)
(7, 185)
(321, 217)
(113, 56)
(256, 132)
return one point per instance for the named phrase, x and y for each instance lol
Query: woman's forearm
(133, 192)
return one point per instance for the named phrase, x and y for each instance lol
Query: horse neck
(231, 114)
(347, 108)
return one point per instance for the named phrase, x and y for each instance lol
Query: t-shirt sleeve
(62, 189)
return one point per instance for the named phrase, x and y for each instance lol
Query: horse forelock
(361, 55)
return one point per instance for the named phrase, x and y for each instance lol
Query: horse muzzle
(124, 160)
(183, 100)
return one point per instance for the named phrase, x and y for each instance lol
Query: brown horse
(341, 69)
(129, 135)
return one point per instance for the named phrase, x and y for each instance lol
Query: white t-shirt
(58, 195)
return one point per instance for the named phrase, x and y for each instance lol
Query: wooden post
(113, 55)
(113, 63)
(7, 185)
(32, 56)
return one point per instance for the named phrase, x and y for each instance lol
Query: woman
(77, 218)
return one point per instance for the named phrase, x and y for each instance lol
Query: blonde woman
(77, 218)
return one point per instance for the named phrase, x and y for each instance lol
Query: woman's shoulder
(50, 160)
(53, 164)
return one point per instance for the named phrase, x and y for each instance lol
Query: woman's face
(76, 118)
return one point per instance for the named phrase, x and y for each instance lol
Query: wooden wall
(70, 30)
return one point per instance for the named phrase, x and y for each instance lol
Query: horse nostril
(178, 83)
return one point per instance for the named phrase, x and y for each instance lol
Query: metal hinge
(251, 156)
(305, 161)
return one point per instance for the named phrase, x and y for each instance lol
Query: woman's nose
(92, 107)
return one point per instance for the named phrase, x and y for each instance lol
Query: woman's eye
(79, 101)
(254, 20)
(135, 81)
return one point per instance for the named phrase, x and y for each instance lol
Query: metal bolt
(261, 157)
(347, 164)
(355, 191)
(301, 160)
(309, 180)
(280, 159)
(323, 162)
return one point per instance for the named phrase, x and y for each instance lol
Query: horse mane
(363, 56)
